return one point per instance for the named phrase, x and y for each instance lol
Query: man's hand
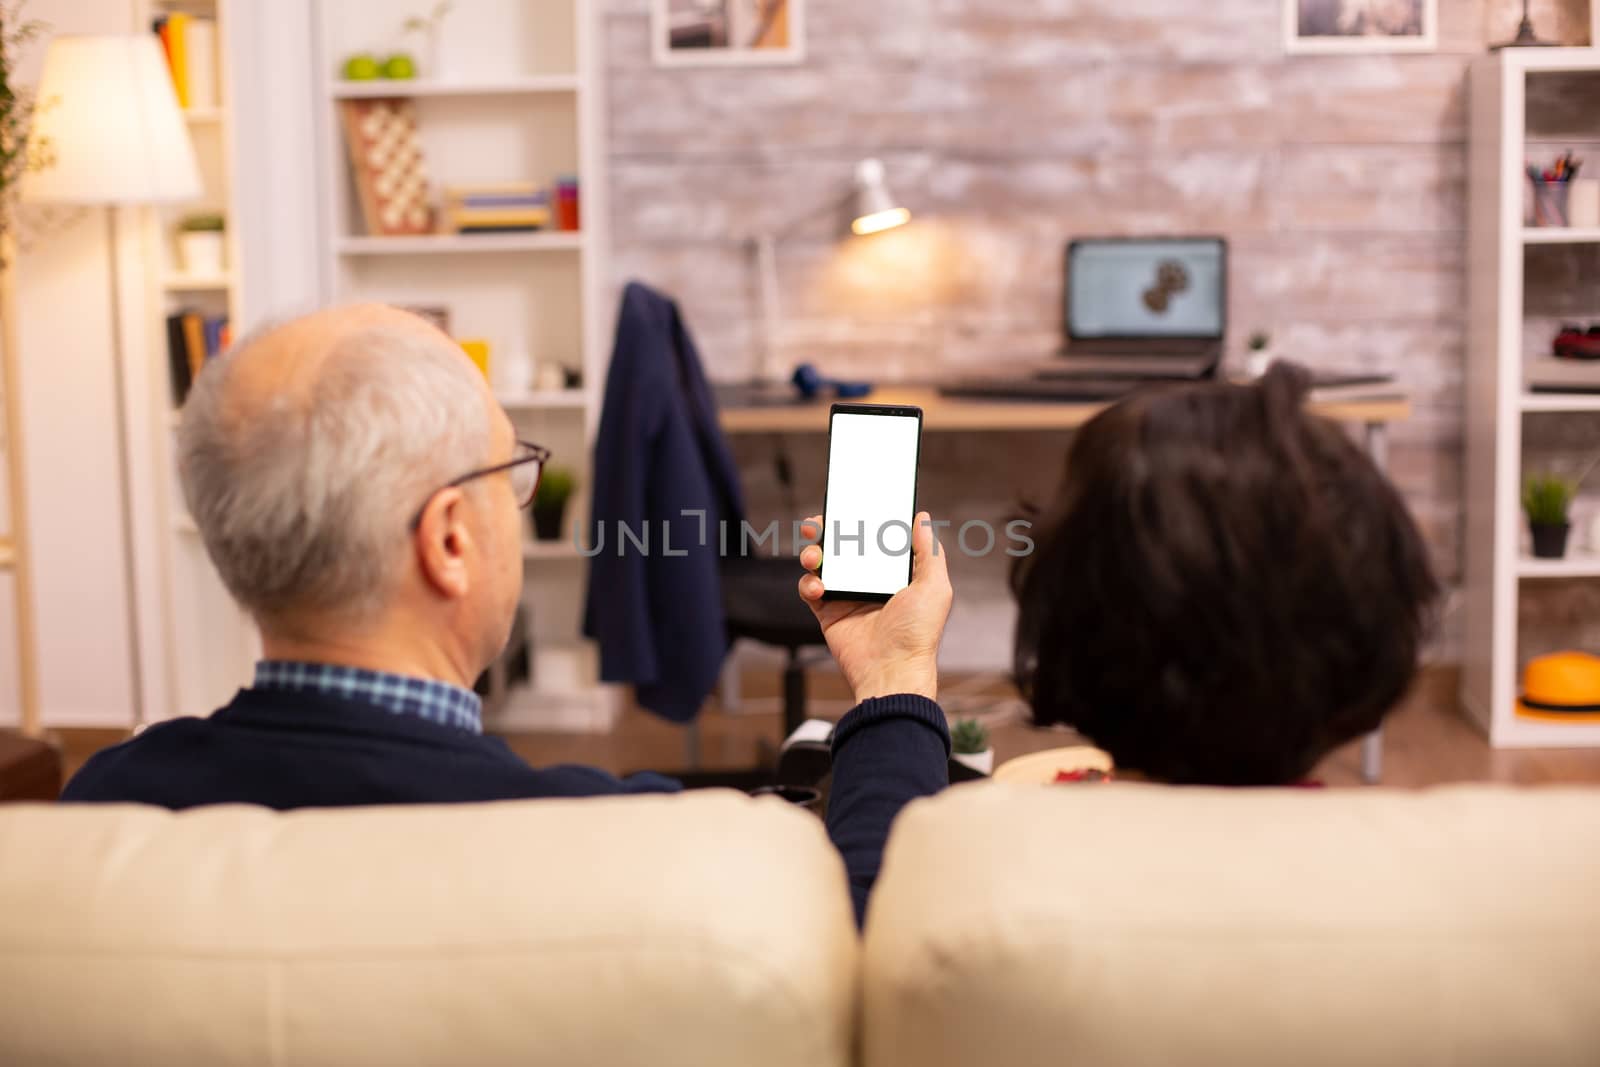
(886, 648)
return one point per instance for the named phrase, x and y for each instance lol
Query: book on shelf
(508, 190)
(190, 45)
(509, 207)
(1550, 374)
(462, 220)
(193, 338)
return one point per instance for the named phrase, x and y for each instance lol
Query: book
(178, 360)
(177, 32)
(214, 327)
(1550, 374)
(457, 192)
(461, 220)
(200, 73)
(158, 26)
(194, 342)
(534, 200)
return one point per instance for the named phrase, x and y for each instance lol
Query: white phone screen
(870, 504)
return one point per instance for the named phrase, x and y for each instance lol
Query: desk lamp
(872, 209)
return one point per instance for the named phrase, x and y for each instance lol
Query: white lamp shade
(109, 119)
(874, 208)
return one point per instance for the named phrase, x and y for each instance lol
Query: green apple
(400, 66)
(361, 68)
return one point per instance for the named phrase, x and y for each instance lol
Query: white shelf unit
(460, 244)
(1507, 130)
(383, 88)
(519, 99)
(207, 645)
(179, 282)
(1559, 235)
(1558, 402)
(554, 399)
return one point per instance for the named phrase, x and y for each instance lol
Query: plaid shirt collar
(437, 702)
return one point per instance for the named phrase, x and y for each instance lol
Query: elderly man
(358, 489)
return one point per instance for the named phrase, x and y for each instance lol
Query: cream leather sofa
(1094, 925)
(706, 930)
(1120, 924)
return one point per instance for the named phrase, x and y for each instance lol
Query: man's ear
(441, 541)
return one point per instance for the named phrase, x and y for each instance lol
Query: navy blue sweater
(288, 750)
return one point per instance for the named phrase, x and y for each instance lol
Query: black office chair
(762, 604)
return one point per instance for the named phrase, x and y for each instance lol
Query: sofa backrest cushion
(703, 929)
(1138, 924)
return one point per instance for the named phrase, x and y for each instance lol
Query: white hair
(305, 498)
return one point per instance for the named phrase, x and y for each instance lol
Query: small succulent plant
(969, 737)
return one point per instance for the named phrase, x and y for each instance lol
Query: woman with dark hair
(1225, 589)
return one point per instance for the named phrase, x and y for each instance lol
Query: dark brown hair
(1225, 589)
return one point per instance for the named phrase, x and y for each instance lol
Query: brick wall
(1009, 126)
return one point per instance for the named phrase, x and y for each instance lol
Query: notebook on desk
(1137, 310)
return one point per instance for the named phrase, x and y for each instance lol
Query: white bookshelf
(459, 244)
(1560, 235)
(207, 646)
(179, 282)
(381, 88)
(1557, 402)
(1504, 135)
(519, 98)
(1576, 564)
(554, 399)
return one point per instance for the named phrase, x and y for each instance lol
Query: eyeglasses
(525, 465)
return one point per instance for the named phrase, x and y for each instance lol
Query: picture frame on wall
(1312, 27)
(706, 33)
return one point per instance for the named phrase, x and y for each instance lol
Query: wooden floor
(1426, 741)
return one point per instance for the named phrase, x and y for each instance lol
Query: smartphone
(871, 500)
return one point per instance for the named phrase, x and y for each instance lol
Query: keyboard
(1058, 390)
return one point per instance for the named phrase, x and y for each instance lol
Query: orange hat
(1562, 687)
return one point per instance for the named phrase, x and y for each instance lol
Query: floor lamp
(116, 138)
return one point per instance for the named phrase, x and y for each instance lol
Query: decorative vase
(547, 522)
(201, 253)
(1549, 541)
(982, 762)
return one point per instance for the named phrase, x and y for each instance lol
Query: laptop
(1137, 310)
(1141, 307)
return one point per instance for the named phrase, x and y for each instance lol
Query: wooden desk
(940, 413)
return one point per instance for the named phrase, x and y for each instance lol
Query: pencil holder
(1549, 202)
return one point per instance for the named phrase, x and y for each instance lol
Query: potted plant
(550, 502)
(200, 245)
(1260, 353)
(1547, 499)
(429, 26)
(969, 746)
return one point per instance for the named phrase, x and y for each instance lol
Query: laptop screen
(1143, 288)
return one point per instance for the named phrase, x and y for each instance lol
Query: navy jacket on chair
(657, 613)
(288, 750)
